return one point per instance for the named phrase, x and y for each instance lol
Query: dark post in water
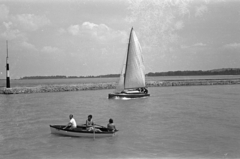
(7, 67)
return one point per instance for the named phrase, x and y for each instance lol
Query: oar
(100, 125)
(93, 132)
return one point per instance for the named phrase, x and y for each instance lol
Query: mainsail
(132, 75)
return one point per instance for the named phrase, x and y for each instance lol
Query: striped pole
(7, 67)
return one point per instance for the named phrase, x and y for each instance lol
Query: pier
(112, 85)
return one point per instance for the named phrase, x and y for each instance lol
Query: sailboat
(132, 78)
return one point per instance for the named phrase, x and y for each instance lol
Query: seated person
(72, 123)
(90, 125)
(145, 91)
(123, 91)
(111, 126)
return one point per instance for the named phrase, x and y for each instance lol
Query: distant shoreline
(112, 85)
(223, 71)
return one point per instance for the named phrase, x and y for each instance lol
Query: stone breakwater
(99, 86)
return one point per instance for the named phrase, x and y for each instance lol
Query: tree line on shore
(230, 71)
(224, 71)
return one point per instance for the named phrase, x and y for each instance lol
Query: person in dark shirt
(111, 126)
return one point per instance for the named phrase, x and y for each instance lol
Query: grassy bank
(99, 86)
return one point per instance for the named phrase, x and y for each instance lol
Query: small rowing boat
(81, 131)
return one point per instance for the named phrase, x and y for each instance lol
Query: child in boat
(111, 126)
(90, 125)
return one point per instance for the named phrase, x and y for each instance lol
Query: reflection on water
(174, 122)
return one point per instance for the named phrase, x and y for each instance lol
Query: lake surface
(174, 122)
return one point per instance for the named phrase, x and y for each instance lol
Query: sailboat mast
(127, 56)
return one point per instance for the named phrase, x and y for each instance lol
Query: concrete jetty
(112, 85)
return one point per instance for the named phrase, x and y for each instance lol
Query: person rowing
(72, 123)
(90, 124)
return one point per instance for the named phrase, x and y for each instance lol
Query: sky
(90, 37)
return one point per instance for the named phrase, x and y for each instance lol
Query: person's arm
(69, 124)
(114, 127)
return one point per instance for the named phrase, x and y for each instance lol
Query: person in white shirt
(72, 123)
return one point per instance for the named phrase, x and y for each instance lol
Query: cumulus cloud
(92, 26)
(89, 25)
(99, 32)
(232, 46)
(103, 32)
(16, 26)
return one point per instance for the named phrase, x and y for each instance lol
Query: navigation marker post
(7, 67)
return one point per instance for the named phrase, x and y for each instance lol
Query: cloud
(179, 25)
(7, 25)
(16, 26)
(62, 30)
(10, 33)
(89, 25)
(201, 10)
(199, 44)
(74, 29)
(29, 46)
(4, 11)
(30, 22)
(232, 46)
(103, 32)
(99, 32)
(50, 49)
(192, 46)
(184, 46)
(92, 26)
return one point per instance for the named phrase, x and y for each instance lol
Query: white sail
(120, 86)
(132, 75)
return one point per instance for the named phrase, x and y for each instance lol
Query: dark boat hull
(80, 131)
(127, 95)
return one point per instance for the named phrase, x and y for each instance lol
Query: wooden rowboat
(81, 131)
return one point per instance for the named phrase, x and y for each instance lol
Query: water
(174, 122)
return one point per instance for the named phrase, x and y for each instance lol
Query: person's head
(70, 116)
(110, 121)
(89, 117)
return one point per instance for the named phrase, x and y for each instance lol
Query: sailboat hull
(127, 95)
